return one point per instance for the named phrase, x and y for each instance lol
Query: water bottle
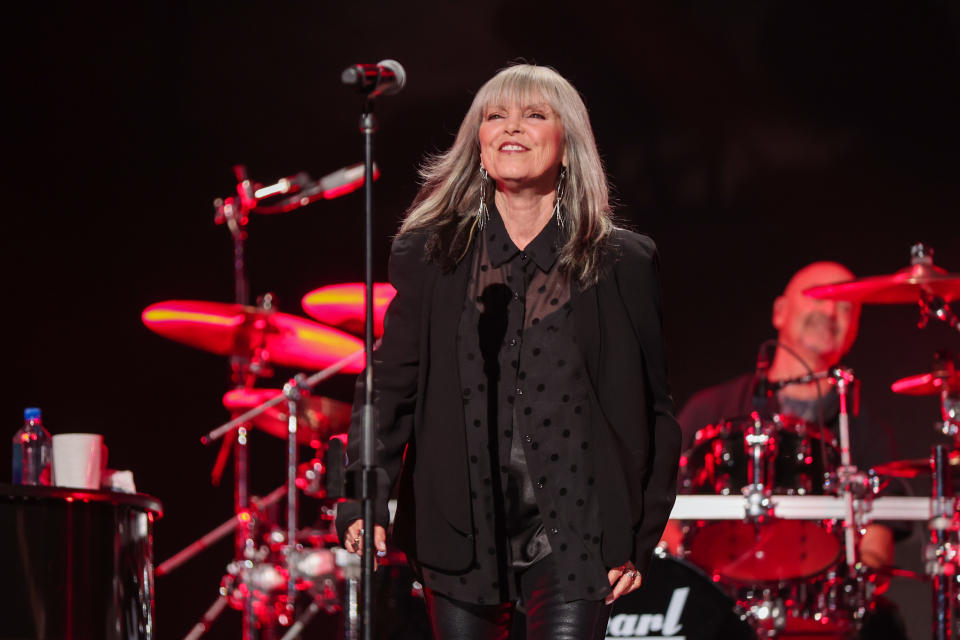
(32, 450)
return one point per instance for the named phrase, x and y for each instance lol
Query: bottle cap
(31, 413)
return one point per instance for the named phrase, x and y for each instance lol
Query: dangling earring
(561, 185)
(482, 214)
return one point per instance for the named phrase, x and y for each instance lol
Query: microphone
(330, 186)
(382, 79)
(761, 390)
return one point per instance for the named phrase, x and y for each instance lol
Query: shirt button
(528, 438)
(540, 483)
(524, 256)
(516, 295)
(519, 391)
(554, 530)
(513, 342)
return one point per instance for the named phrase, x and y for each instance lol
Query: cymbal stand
(847, 473)
(292, 391)
(941, 554)
(234, 212)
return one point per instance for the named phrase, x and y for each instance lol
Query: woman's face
(522, 145)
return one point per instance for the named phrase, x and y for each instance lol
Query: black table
(76, 563)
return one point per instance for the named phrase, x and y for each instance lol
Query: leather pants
(548, 617)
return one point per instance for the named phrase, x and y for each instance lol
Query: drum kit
(773, 509)
(773, 506)
(282, 575)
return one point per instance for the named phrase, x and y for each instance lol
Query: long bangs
(521, 85)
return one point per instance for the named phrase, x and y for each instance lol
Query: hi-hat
(342, 305)
(908, 285)
(319, 417)
(270, 336)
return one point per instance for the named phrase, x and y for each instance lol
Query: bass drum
(796, 459)
(676, 600)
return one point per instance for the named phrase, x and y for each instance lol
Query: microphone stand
(368, 483)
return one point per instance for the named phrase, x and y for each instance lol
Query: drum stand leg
(209, 617)
(351, 607)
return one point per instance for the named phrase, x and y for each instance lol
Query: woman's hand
(623, 580)
(353, 539)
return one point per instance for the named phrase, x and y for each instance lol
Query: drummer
(820, 332)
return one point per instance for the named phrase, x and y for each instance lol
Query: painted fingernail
(381, 553)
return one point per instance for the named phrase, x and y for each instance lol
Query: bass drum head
(774, 551)
(676, 600)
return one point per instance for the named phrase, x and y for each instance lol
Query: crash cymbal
(342, 305)
(913, 467)
(319, 417)
(905, 286)
(233, 329)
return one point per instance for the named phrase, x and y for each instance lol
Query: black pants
(548, 617)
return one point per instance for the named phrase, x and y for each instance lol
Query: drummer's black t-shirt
(870, 444)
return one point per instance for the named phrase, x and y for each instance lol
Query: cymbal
(904, 286)
(342, 305)
(233, 329)
(927, 383)
(319, 417)
(913, 467)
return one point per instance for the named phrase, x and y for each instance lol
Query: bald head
(822, 331)
(816, 274)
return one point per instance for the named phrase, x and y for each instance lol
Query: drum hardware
(207, 540)
(310, 478)
(207, 619)
(255, 338)
(320, 417)
(759, 505)
(292, 394)
(761, 450)
(300, 189)
(941, 553)
(709, 507)
(830, 605)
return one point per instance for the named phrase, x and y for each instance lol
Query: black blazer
(421, 433)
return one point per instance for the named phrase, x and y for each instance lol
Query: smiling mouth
(512, 146)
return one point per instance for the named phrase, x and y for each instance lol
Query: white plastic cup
(78, 460)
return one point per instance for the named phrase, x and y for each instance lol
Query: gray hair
(450, 191)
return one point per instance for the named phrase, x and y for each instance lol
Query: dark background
(748, 138)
